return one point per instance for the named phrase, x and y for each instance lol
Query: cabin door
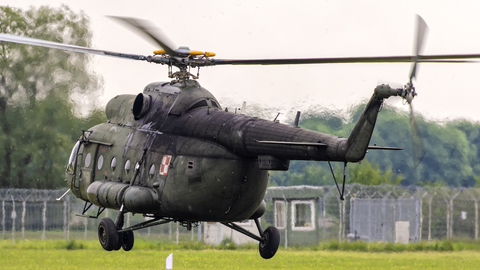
(87, 167)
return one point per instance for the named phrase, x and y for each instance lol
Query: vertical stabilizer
(357, 143)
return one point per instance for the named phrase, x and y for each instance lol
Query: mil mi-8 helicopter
(173, 154)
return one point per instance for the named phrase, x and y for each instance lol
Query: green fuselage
(197, 162)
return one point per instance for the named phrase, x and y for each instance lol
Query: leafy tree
(368, 173)
(302, 173)
(38, 123)
(477, 181)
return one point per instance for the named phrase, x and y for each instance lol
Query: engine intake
(141, 105)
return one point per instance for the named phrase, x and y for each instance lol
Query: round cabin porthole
(113, 164)
(127, 166)
(88, 160)
(100, 162)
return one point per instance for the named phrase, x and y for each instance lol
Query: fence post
(85, 222)
(384, 214)
(420, 218)
(3, 219)
(286, 220)
(24, 210)
(369, 219)
(399, 207)
(44, 219)
(394, 213)
(65, 215)
(177, 232)
(450, 231)
(476, 220)
(324, 215)
(199, 233)
(14, 216)
(430, 219)
(448, 218)
(69, 202)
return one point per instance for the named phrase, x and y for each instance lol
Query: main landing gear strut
(113, 237)
(269, 240)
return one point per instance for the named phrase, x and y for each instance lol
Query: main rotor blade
(151, 31)
(422, 29)
(67, 47)
(453, 58)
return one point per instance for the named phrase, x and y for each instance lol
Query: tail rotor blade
(417, 140)
(422, 30)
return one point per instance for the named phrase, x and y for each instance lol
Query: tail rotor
(409, 94)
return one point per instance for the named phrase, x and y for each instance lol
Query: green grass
(445, 245)
(81, 254)
(233, 259)
(227, 244)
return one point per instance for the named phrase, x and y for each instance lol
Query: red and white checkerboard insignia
(165, 164)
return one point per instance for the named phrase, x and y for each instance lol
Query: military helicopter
(173, 154)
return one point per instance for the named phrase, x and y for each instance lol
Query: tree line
(39, 90)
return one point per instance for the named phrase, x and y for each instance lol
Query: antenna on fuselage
(275, 119)
(297, 119)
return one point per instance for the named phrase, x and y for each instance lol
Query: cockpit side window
(208, 102)
(72, 159)
(198, 104)
(214, 104)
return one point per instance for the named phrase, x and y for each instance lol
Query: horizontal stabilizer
(375, 147)
(292, 143)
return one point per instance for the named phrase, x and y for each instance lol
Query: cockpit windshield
(73, 157)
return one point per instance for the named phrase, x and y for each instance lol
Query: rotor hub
(184, 59)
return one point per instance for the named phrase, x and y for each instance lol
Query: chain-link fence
(373, 213)
(36, 214)
(304, 215)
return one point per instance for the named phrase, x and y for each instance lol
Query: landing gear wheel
(270, 242)
(119, 242)
(107, 234)
(127, 240)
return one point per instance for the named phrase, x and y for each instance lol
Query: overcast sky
(289, 29)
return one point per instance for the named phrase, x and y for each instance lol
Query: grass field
(89, 255)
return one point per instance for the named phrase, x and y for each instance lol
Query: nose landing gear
(269, 239)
